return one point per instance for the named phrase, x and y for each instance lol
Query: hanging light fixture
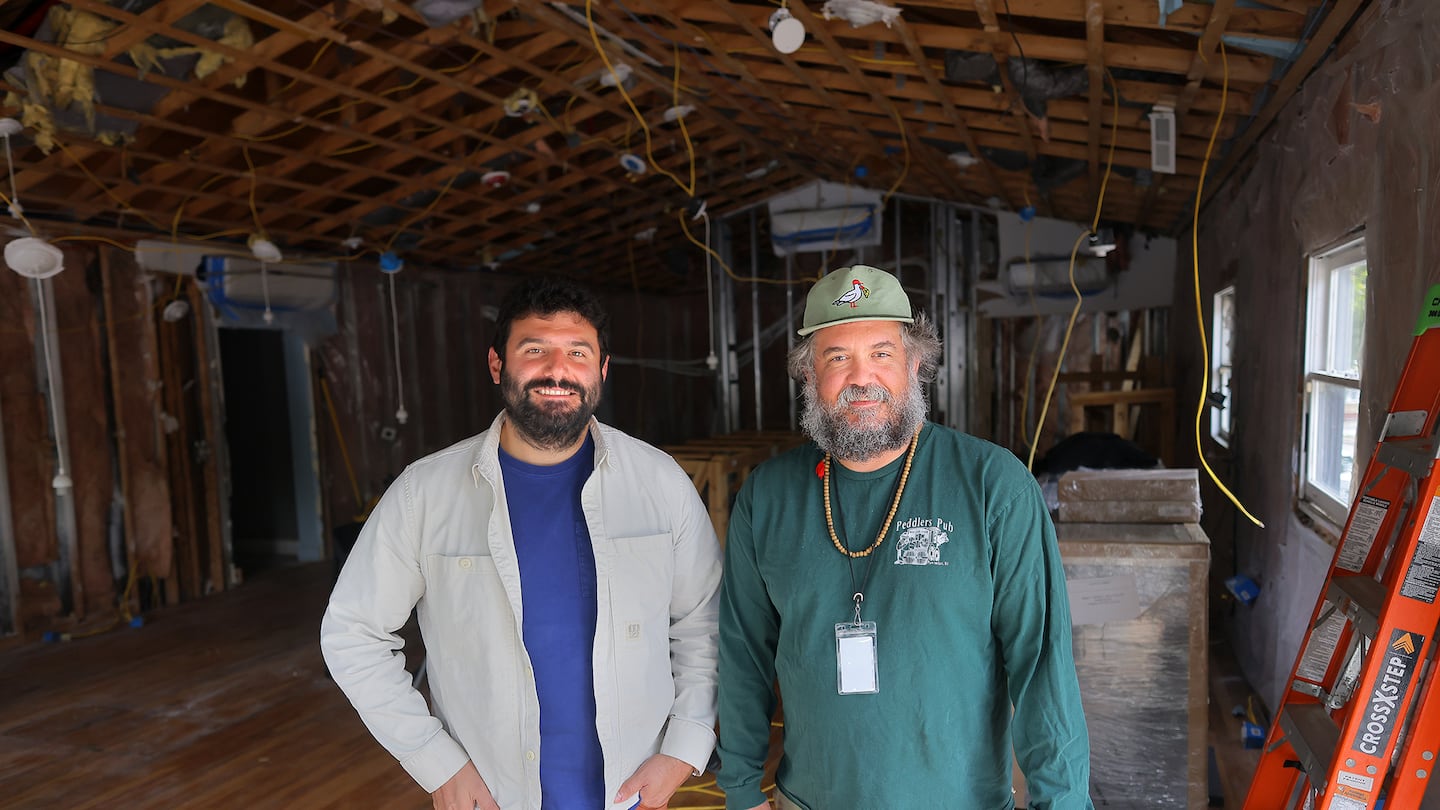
(266, 252)
(37, 260)
(390, 264)
(786, 32)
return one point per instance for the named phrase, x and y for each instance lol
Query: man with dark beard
(902, 581)
(565, 576)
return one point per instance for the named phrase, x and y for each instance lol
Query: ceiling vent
(1162, 139)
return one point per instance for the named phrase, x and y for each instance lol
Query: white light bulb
(786, 32)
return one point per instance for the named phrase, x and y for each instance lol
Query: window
(1334, 337)
(1221, 365)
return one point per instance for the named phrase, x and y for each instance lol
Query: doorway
(274, 494)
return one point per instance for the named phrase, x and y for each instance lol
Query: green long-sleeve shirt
(968, 596)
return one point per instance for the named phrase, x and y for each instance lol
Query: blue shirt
(557, 595)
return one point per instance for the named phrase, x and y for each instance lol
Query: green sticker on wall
(1430, 312)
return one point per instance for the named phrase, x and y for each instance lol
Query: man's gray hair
(921, 340)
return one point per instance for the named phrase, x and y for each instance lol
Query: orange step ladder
(1360, 722)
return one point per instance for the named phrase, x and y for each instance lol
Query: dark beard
(828, 427)
(547, 427)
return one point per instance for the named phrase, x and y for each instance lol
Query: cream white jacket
(440, 541)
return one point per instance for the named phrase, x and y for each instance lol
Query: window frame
(1222, 360)
(1320, 335)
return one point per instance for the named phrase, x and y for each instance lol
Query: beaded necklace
(894, 504)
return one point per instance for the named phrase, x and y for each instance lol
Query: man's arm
(690, 732)
(749, 629)
(372, 600)
(1031, 622)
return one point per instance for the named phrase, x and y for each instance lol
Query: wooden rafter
(1204, 54)
(355, 123)
(953, 116)
(1095, 68)
(1335, 21)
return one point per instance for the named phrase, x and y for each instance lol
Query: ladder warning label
(1387, 693)
(1364, 527)
(1422, 579)
(1320, 647)
(1344, 801)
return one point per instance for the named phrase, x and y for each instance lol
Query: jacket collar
(487, 456)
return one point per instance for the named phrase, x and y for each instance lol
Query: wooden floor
(224, 703)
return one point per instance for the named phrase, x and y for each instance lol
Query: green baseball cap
(856, 293)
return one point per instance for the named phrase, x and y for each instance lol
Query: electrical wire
(254, 214)
(401, 415)
(1060, 359)
(710, 359)
(175, 222)
(324, 46)
(269, 316)
(675, 101)
(1199, 309)
(125, 207)
(16, 209)
(619, 85)
(1024, 63)
(731, 273)
(905, 143)
(86, 238)
(62, 478)
(1079, 299)
(427, 209)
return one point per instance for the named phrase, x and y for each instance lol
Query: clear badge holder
(856, 668)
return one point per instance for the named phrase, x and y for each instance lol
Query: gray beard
(828, 427)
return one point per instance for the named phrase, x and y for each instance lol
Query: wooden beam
(1141, 56)
(945, 173)
(742, 16)
(1204, 53)
(1095, 68)
(1335, 21)
(999, 45)
(1189, 18)
(955, 118)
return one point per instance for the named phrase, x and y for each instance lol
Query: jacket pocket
(642, 570)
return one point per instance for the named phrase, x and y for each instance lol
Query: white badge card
(856, 669)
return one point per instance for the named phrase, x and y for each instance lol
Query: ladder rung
(1414, 456)
(1314, 736)
(1366, 596)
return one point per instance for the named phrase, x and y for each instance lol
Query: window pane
(1345, 327)
(1334, 416)
(1220, 369)
(1220, 417)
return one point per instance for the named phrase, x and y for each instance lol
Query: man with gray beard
(902, 582)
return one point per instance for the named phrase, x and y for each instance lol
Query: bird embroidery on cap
(853, 297)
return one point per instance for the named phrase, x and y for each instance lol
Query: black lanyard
(835, 500)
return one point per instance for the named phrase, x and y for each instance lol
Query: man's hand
(765, 806)
(655, 780)
(465, 791)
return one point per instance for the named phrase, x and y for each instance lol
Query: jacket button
(530, 756)
(466, 563)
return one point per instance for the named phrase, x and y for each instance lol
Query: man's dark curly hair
(546, 296)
